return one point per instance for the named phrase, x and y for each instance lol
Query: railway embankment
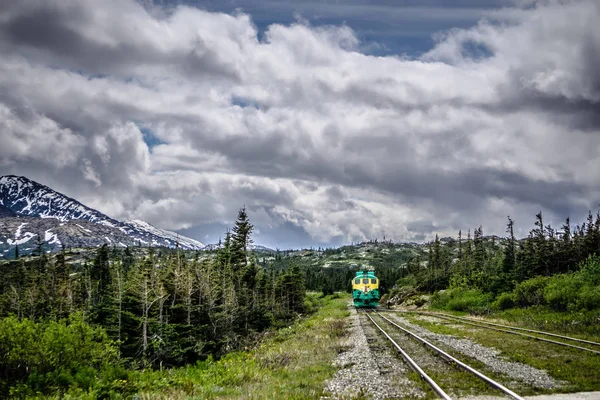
(528, 364)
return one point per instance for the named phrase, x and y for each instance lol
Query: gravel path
(368, 370)
(487, 355)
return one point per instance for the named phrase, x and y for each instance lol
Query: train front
(365, 289)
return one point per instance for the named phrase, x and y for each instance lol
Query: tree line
(496, 265)
(162, 307)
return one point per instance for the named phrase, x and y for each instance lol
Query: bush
(531, 292)
(589, 298)
(565, 292)
(590, 270)
(49, 356)
(410, 280)
(504, 302)
(562, 292)
(469, 300)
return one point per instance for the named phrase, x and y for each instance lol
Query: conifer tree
(460, 251)
(566, 248)
(479, 256)
(241, 240)
(508, 264)
(468, 264)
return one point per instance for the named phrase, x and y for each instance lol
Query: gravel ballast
(487, 355)
(368, 372)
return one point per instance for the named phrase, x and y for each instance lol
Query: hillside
(30, 210)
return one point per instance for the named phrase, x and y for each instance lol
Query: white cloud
(302, 127)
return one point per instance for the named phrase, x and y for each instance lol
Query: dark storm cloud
(46, 29)
(58, 33)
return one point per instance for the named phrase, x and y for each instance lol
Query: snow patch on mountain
(51, 237)
(182, 240)
(20, 238)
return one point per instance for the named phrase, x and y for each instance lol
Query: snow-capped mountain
(183, 241)
(29, 209)
(26, 197)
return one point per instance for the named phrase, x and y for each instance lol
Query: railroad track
(416, 368)
(516, 331)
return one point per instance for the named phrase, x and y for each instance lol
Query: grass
(581, 324)
(291, 363)
(578, 369)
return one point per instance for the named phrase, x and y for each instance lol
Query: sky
(331, 121)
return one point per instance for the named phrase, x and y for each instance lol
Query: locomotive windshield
(357, 281)
(365, 281)
(373, 281)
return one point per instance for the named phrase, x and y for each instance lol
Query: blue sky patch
(244, 102)
(150, 138)
(400, 27)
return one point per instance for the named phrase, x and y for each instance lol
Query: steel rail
(456, 361)
(514, 333)
(515, 328)
(412, 364)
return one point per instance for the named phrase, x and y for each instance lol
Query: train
(365, 289)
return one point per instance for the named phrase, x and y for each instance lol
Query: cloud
(298, 123)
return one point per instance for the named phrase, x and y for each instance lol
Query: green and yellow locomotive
(365, 289)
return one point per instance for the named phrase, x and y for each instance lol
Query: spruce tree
(479, 256)
(460, 251)
(566, 248)
(240, 240)
(508, 264)
(468, 264)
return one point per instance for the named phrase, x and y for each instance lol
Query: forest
(64, 322)
(557, 269)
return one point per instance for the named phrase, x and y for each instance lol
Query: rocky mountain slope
(29, 210)
(6, 212)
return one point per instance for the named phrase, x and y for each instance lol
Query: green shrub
(589, 298)
(562, 292)
(469, 300)
(531, 291)
(504, 302)
(410, 280)
(48, 356)
(565, 292)
(590, 270)
(312, 302)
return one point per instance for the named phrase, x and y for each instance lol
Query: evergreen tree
(566, 254)
(541, 248)
(240, 240)
(508, 264)
(460, 251)
(468, 263)
(479, 256)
